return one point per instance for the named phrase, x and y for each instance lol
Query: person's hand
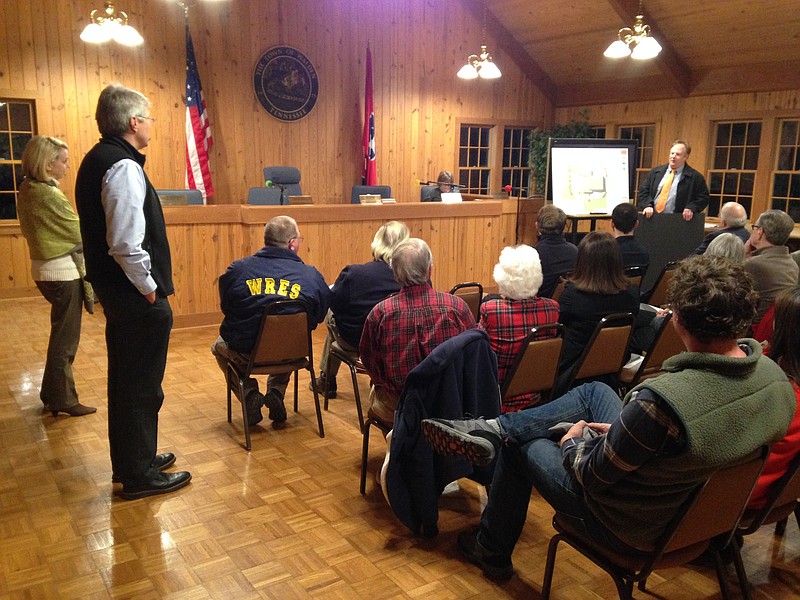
(575, 431)
(151, 297)
(748, 248)
(600, 428)
(648, 212)
(688, 213)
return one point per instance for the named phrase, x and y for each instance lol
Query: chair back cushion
(284, 339)
(264, 196)
(536, 367)
(472, 294)
(286, 176)
(384, 191)
(607, 350)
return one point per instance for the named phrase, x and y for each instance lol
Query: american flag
(369, 175)
(198, 129)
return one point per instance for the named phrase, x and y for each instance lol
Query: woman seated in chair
(784, 349)
(509, 317)
(596, 289)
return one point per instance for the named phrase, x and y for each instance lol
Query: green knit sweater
(47, 220)
(727, 407)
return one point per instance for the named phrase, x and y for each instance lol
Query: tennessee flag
(198, 129)
(369, 175)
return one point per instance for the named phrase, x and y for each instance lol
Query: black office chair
(288, 177)
(264, 196)
(384, 191)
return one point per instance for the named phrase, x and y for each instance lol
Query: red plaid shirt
(402, 330)
(508, 322)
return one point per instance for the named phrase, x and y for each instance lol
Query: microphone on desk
(454, 186)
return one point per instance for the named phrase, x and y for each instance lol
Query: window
(646, 134)
(786, 176)
(473, 159)
(485, 167)
(17, 127)
(598, 132)
(516, 150)
(734, 163)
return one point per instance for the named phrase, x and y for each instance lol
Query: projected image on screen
(591, 176)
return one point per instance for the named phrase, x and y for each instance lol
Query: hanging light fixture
(638, 43)
(480, 65)
(110, 24)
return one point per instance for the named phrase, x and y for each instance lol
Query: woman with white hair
(509, 318)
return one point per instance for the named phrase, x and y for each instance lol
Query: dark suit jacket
(692, 189)
(740, 232)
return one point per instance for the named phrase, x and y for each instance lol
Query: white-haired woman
(509, 318)
(52, 230)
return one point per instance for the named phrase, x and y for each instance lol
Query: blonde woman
(51, 228)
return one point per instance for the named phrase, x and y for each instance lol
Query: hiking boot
(319, 382)
(494, 566)
(277, 410)
(255, 400)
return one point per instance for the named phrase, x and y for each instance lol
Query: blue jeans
(530, 459)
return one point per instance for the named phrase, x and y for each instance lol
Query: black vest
(101, 268)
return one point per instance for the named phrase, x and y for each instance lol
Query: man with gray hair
(732, 219)
(402, 330)
(768, 262)
(273, 273)
(128, 263)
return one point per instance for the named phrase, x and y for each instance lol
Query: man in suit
(732, 219)
(686, 192)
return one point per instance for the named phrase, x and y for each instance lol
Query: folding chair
(667, 343)
(606, 351)
(781, 503)
(472, 294)
(707, 521)
(635, 273)
(658, 295)
(283, 345)
(560, 285)
(536, 366)
(353, 362)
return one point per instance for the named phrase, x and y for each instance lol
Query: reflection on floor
(283, 521)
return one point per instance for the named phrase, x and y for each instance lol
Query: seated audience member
(768, 261)
(275, 272)
(624, 220)
(509, 319)
(784, 349)
(402, 330)
(715, 405)
(556, 254)
(732, 219)
(596, 289)
(356, 291)
(444, 184)
(727, 245)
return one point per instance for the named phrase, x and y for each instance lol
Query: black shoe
(277, 410)
(163, 483)
(255, 400)
(160, 462)
(495, 566)
(320, 383)
(77, 410)
(474, 439)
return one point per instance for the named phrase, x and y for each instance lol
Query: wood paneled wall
(417, 47)
(693, 119)
(465, 239)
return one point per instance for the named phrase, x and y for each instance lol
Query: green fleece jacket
(727, 407)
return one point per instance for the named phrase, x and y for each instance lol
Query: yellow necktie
(664, 194)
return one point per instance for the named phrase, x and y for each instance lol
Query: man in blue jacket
(273, 273)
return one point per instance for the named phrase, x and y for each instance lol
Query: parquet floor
(283, 521)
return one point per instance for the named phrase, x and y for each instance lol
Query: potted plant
(537, 160)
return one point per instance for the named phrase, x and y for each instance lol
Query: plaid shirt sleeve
(645, 427)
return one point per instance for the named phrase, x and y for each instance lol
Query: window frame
(15, 157)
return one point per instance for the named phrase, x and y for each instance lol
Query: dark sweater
(558, 257)
(101, 268)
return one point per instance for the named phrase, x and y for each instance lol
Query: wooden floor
(283, 521)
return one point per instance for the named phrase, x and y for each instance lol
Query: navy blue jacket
(357, 290)
(633, 253)
(558, 256)
(251, 283)
(459, 377)
(741, 232)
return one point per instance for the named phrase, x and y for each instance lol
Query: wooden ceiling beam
(516, 51)
(673, 69)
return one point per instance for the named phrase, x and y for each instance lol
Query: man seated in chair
(624, 220)
(623, 470)
(275, 272)
(356, 291)
(402, 330)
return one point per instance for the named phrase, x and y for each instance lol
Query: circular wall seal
(285, 83)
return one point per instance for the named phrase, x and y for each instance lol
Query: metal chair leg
(364, 457)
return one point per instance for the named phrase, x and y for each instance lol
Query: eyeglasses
(298, 238)
(143, 118)
(757, 227)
